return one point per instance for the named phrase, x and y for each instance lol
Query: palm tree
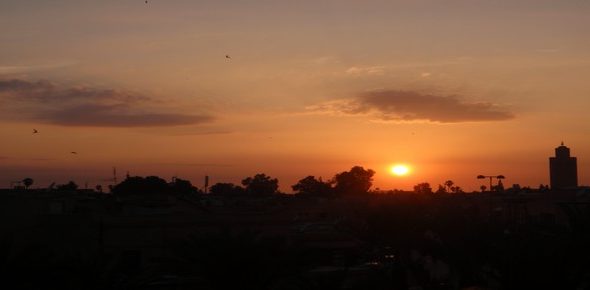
(27, 182)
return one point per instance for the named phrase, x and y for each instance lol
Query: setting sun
(400, 170)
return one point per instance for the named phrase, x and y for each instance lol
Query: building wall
(563, 172)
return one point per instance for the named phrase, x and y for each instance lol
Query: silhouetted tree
(27, 182)
(138, 185)
(261, 184)
(226, 189)
(68, 186)
(181, 186)
(441, 189)
(356, 181)
(456, 189)
(423, 188)
(483, 188)
(310, 185)
(449, 184)
(99, 188)
(499, 187)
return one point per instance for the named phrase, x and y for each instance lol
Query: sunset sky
(451, 88)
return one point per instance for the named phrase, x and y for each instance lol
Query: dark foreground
(86, 240)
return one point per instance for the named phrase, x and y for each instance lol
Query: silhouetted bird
(35, 131)
(227, 56)
(74, 152)
(145, 1)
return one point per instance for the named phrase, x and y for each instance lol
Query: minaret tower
(563, 169)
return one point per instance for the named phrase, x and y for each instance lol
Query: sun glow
(400, 170)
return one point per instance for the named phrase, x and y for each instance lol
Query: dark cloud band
(51, 103)
(393, 105)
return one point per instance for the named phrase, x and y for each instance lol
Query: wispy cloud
(367, 70)
(28, 159)
(403, 106)
(15, 69)
(194, 164)
(198, 130)
(95, 115)
(323, 60)
(52, 103)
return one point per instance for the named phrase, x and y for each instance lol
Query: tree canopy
(226, 189)
(312, 186)
(27, 182)
(183, 187)
(261, 184)
(423, 188)
(68, 186)
(356, 181)
(138, 185)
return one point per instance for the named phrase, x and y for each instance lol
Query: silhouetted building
(563, 169)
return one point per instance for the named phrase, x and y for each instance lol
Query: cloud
(51, 103)
(194, 164)
(29, 159)
(45, 91)
(403, 106)
(196, 130)
(112, 116)
(323, 60)
(14, 69)
(368, 70)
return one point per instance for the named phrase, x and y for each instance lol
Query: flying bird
(74, 152)
(35, 131)
(227, 56)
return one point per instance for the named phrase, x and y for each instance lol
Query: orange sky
(453, 89)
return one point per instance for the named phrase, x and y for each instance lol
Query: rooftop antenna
(115, 175)
(206, 183)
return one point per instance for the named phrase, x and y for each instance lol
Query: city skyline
(228, 90)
